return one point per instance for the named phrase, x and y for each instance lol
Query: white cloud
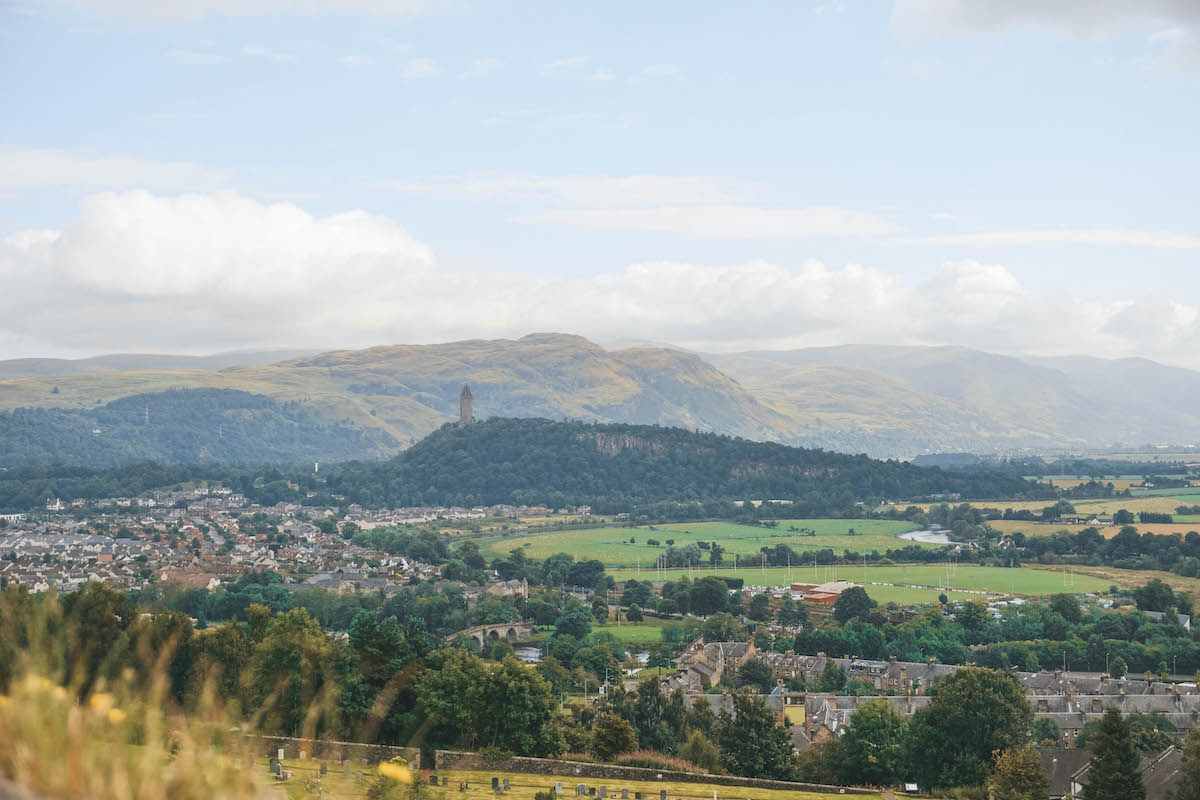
(1162, 240)
(416, 68)
(138, 271)
(717, 221)
(1172, 24)
(600, 74)
(35, 168)
(173, 10)
(356, 61)
(186, 57)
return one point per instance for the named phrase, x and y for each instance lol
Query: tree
(972, 714)
(1114, 773)
(1117, 667)
(575, 620)
(709, 595)
(657, 718)
(791, 613)
(756, 674)
(1187, 787)
(853, 603)
(700, 750)
(600, 609)
(612, 736)
(1018, 776)
(635, 613)
(760, 606)
(1068, 606)
(833, 679)
(1046, 730)
(872, 746)
(716, 555)
(751, 743)
(721, 628)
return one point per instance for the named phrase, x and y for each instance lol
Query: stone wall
(450, 760)
(327, 750)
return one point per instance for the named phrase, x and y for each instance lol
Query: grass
(634, 632)
(612, 545)
(1107, 531)
(1133, 577)
(994, 580)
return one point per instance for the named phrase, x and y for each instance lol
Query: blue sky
(204, 174)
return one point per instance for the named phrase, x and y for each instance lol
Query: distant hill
(41, 367)
(181, 426)
(879, 400)
(914, 399)
(613, 466)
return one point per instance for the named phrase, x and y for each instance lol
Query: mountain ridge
(888, 400)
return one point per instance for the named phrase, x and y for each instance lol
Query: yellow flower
(101, 702)
(395, 771)
(116, 716)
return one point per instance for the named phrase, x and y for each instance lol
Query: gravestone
(624, 794)
(580, 790)
(358, 776)
(504, 783)
(603, 792)
(433, 780)
(462, 786)
(662, 794)
(303, 755)
(346, 769)
(495, 784)
(324, 769)
(637, 796)
(280, 755)
(558, 788)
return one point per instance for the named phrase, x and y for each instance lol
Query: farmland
(613, 546)
(992, 580)
(1164, 503)
(1107, 531)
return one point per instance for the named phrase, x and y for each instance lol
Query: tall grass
(65, 733)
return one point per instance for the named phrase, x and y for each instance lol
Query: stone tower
(465, 416)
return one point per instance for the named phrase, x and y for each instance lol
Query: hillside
(397, 394)
(617, 466)
(181, 426)
(879, 400)
(913, 399)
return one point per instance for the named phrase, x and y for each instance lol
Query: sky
(195, 176)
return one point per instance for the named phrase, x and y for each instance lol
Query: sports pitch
(964, 582)
(613, 546)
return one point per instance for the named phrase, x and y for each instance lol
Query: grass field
(612, 545)
(337, 786)
(1107, 531)
(1136, 577)
(1144, 501)
(994, 580)
(635, 632)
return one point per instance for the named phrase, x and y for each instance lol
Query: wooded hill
(614, 467)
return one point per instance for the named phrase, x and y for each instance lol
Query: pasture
(1107, 531)
(963, 581)
(613, 546)
(1143, 501)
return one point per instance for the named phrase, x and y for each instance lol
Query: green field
(612, 545)
(634, 632)
(994, 580)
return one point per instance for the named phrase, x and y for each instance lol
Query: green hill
(539, 461)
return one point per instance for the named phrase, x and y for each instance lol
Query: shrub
(650, 759)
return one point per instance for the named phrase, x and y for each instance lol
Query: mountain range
(879, 400)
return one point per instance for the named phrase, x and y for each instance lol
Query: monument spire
(465, 415)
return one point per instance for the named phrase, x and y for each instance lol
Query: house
(1060, 764)
(1159, 776)
(513, 588)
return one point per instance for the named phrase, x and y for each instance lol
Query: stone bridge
(490, 634)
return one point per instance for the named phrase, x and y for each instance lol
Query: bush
(649, 759)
